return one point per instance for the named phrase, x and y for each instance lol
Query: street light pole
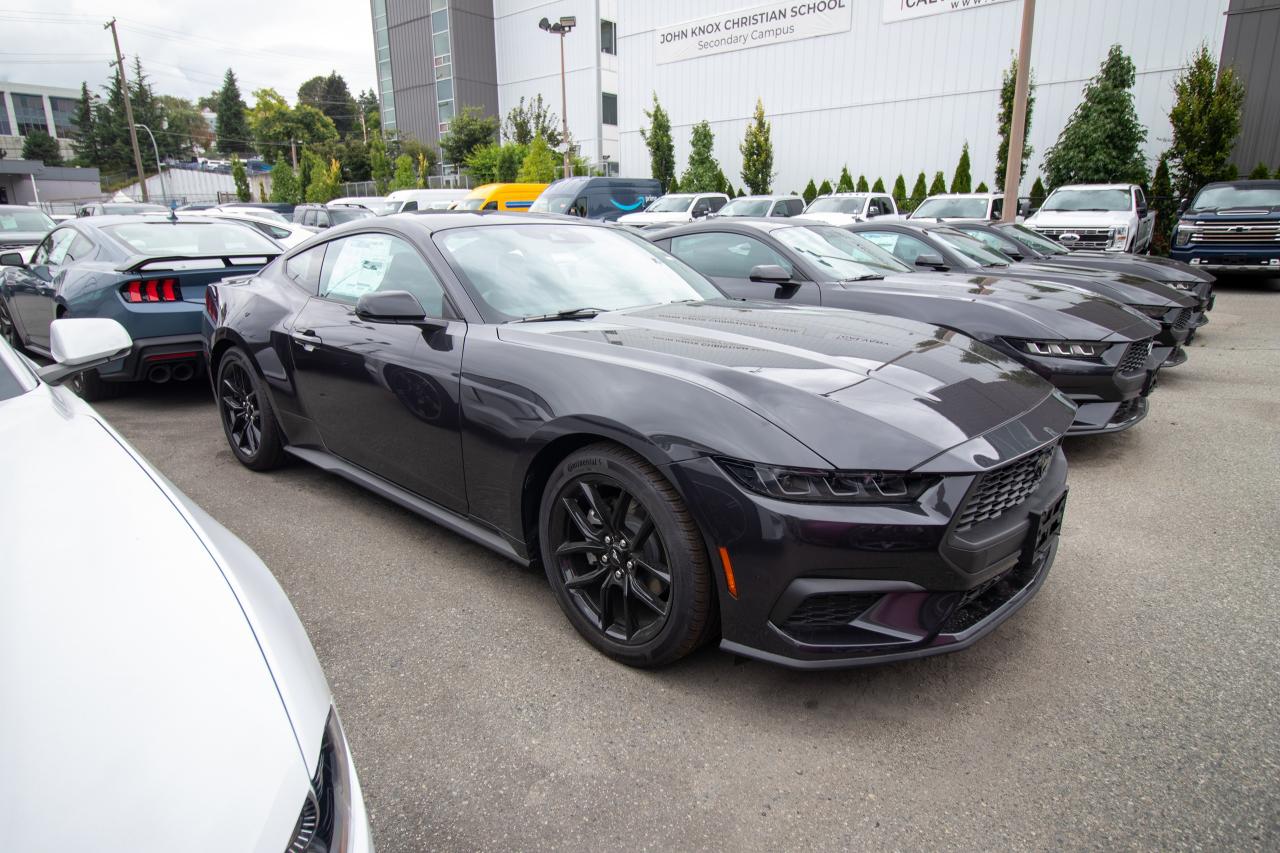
(1018, 126)
(562, 28)
(159, 168)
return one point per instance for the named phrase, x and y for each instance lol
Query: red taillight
(152, 290)
(211, 303)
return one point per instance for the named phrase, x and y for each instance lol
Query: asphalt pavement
(1134, 704)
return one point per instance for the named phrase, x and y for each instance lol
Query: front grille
(1002, 489)
(1089, 238)
(1240, 233)
(1184, 319)
(829, 610)
(1135, 358)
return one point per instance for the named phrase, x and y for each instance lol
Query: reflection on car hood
(1151, 266)
(862, 391)
(1125, 287)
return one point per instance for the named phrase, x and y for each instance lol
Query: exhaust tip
(159, 374)
(183, 372)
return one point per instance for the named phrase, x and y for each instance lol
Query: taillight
(152, 290)
(211, 303)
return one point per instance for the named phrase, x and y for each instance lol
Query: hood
(861, 391)
(10, 239)
(142, 695)
(832, 218)
(1079, 218)
(987, 305)
(672, 217)
(1150, 266)
(1123, 287)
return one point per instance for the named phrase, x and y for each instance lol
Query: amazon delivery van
(515, 198)
(597, 198)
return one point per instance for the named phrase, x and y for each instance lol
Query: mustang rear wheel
(247, 419)
(90, 387)
(624, 557)
(8, 330)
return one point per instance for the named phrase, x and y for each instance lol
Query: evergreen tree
(1008, 88)
(469, 129)
(862, 185)
(404, 178)
(233, 124)
(825, 189)
(379, 164)
(810, 192)
(241, 178)
(845, 184)
(539, 166)
(1102, 141)
(310, 167)
(982, 187)
(331, 96)
(38, 145)
(878, 186)
(1259, 173)
(1165, 205)
(703, 174)
(111, 131)
(1206, 121)
(85, 141)
(741, 194)
(757, 153)
(262, 190)
(962, 182)
(284, 185)
(900, 193)
(662, 150)
(919, 191)
(1038, 193)
(939, 185)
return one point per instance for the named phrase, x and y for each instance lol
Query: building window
(64, 115)
(5, 130)
(608, 37)
(28, 110)
(608, 108)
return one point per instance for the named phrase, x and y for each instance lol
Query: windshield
(126, 209)
(746, 207)
(951, 208)
(1214, 198)
(470, 204)
(671, 204)
(992, 240)
(1099, 200)
(517, 271)
(162, 239)
(845, 257)
(380, 207)
(264, 212)
(1034, 239)
(348, 214)
(836, 204)
(970, 248)
(24, 220)
(551, 203)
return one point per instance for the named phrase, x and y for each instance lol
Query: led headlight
(1064, 349)
(1182, 234)
(1191, 284)
(1119, 238)
(800, 484)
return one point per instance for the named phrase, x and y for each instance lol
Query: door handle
(307, 338)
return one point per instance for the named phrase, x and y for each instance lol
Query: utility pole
(128, 108)
(364, 131)
(1017, 129)
(293, 153)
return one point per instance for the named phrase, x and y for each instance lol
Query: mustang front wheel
(247, 419)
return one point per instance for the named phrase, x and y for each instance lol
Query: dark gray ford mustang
(816, 487)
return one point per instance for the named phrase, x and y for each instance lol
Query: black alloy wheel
(624, 557)
(247, 418)
(8, 330)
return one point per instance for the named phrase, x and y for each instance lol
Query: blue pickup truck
(1231, 228)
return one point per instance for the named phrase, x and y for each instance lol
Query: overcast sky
(187, 46)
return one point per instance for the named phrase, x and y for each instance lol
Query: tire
(613, 592)
(248, 421)
(91, 387)
(9, 331)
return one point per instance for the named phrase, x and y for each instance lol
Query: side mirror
(700, 212)
(1142, 210)
(770, 274)
(81, 344)
(930, 259)
(1183, 204)
(393, 306)
(11, 259)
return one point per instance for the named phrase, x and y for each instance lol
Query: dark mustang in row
(828, 488)
(1098, 353)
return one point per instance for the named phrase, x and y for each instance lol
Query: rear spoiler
(141, 263)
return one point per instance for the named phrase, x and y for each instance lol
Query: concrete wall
(1252, 47)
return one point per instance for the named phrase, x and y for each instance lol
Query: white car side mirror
(79, 344)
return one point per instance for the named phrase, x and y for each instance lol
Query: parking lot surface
(1135, 703)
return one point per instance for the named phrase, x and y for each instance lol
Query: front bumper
(823, 586)
(1231, 260)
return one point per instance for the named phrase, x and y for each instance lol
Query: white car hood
(674, 216)
(1079, 218)
(832, 218)
(138, 705)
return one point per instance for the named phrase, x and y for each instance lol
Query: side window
(81, 248)
(493, 205)
(716, 202)
(1139, 199)
(364, 263)
(303, 269)
(322, 219)
(997, 208)
(886, 204)
(309, 217)
(579, 207)
(701, 207)
(795, 206)
(904, 247)
(55, 247)
(723, 255)
(408, 206)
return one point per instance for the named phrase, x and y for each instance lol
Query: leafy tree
(1206, 122)
(469, 129)
(539, 166)
(757, 153)
(810, 192)
(918, 192)
(825, 189)
(186, 130)
(284, 185)
(662, 149)
(1165, 205)
(404, 178)
(379, 164)
(900, 193)
(962, 182)
(523, 123)
(1038, 193)
(1102, 141)
(1008, 88)
(324, 181)
(845, 184)
(862, 185)
(39, 145)
(1259, 172)
(274, 124)
(878, 186)
(939, 185)
(85, 141)
(416, 149)
(241, 178)
(331, 96)
(703, 174)
(233, 124)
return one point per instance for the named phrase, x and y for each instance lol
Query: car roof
(767, 224)
(764, 197)
(848, 195)
(966, 195)
(1094, 187)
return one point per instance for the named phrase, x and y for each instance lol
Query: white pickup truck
(965, 206)
(675, 208)
(847, 208)
(1107, 217)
